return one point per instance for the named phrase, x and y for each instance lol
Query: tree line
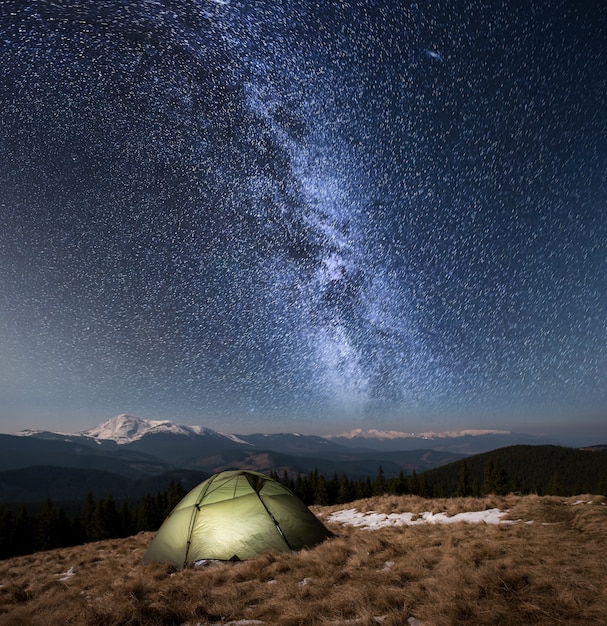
(315, 488)
(31, 530)
(34, 529)
(523, 469)
(50, 527)
(544, 470)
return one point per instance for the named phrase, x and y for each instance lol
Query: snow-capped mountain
(137, 448)
(396, 434)
(469, 441)
(162, 443)
(155, 436)
(124, 429)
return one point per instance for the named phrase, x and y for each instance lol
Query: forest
(544, 470)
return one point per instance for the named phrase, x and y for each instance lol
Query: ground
(546, 566)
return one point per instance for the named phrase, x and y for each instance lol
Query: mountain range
(132, 454)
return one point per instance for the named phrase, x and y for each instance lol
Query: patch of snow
(235, 438)
(372, 520)
(304, 582)
(388, 565)
(66, 575)
(27, 432)
(240, 622)
(44, 434)
(378, 619)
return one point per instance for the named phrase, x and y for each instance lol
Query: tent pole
(278, 528)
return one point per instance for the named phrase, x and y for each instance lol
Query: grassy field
(548, 568)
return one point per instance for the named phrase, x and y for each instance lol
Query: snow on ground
(372, 520)
(355, 622)
(378, 619)
(241, 622)
(66, 575)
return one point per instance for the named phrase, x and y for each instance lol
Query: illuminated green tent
(235, 515)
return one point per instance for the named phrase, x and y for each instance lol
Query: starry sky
(284, 215)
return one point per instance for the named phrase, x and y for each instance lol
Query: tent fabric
(235, 515)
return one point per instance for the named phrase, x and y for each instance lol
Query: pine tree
(7, 531)
(87, 518)
(108, 518)
(476, 488)
(125, 516)
(333, 489)
(175, 494)
(425, 490)
(303, 489)
(401, 485)
(321, 495)
(379, 484)
(414, 484)
(364, 488)
(146, 517)
(286, 481)
(488, 478)
(23, 538)
(495, 479)
(48, 527)
(501, 479)
(555, 487)
(345, 492)
(463, 484)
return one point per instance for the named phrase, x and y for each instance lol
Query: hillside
(38, 484)
(140, 451)
(543, 567)
(554, 470)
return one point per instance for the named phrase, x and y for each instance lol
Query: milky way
(279, 212)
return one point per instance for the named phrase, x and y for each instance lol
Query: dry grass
(548, 572)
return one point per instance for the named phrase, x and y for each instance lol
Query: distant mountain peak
(371, 434)
(121, 429)
(125, 429)
(396, 434)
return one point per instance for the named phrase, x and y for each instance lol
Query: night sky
(311, 216)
